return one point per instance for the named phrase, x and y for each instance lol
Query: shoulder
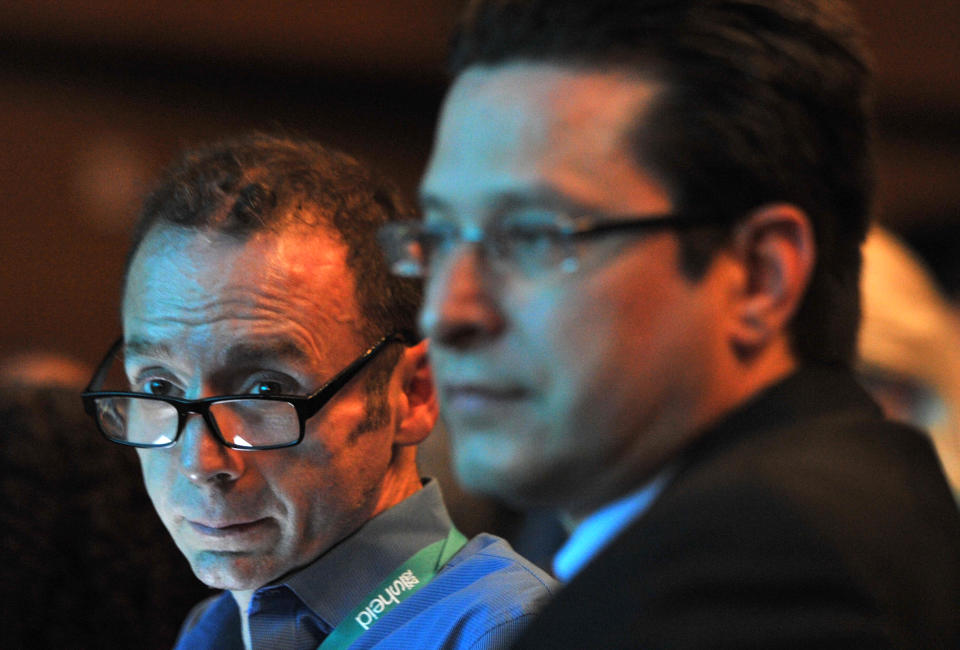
(834, 530)
(212, 623)
(847, 504)
(198, 611)
(848, 480)
(482, 598)
(489, 572)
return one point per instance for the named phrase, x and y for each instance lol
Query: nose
(204, 460)
(460, 310)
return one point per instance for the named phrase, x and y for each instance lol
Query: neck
(669, 432)
(400, 482)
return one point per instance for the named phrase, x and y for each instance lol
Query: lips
(226, 529)
(479, 398)
(484, 391)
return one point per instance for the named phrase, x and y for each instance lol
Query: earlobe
(419, 411)
(775, 245)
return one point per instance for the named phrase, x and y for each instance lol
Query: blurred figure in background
(43, 368)
(86, 563)
(641, 245)
(909, 346)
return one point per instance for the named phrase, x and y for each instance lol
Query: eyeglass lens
(413, 248)
(243, 423)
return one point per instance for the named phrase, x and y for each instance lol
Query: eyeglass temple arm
(590, 228)
(328, 390)
(101, 371)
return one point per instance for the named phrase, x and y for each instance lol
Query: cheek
(326, 495)
(159, 475)
(548, 324)
(569, 330)
(341, 470)
(610, 336)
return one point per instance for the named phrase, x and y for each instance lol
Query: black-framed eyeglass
(247, 422)
(529, 246)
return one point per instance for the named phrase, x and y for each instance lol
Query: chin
(480, 477)
(515, 484)
(230, 571)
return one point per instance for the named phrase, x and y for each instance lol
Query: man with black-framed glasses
(270, 380)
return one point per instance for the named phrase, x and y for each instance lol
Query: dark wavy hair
(764, 101)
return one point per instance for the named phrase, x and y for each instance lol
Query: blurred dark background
(97, 95)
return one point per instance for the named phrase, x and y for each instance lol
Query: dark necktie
(280, 621)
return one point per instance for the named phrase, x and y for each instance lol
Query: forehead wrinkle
(295, 311)
(250, 303)
(289, 282)
(300, 323)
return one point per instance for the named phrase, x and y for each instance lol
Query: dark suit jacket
(802, 520)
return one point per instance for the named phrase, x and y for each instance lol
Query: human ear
(775, 246)
(419, 409)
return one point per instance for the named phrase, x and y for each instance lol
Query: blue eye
(437, 238)
(267, 388)
(158, 387)
(530, 246)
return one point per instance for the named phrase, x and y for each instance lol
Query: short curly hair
(264, 182)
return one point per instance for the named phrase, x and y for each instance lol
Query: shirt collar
(599, 529)
(333, 584)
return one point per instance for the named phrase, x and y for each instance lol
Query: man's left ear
(775, 245)
(418, 409)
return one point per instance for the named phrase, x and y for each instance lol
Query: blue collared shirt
(599, 529)
(480, 599)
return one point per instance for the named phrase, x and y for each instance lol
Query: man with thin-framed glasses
(641, 247)
(272, 384)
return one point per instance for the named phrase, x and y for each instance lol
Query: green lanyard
(417, 571)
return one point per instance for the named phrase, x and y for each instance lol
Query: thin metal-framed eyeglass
(109, 409)
(412, 247)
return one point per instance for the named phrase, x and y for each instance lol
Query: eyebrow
(146, 348)
(239, 354)
(245, 353)
(537, 196)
